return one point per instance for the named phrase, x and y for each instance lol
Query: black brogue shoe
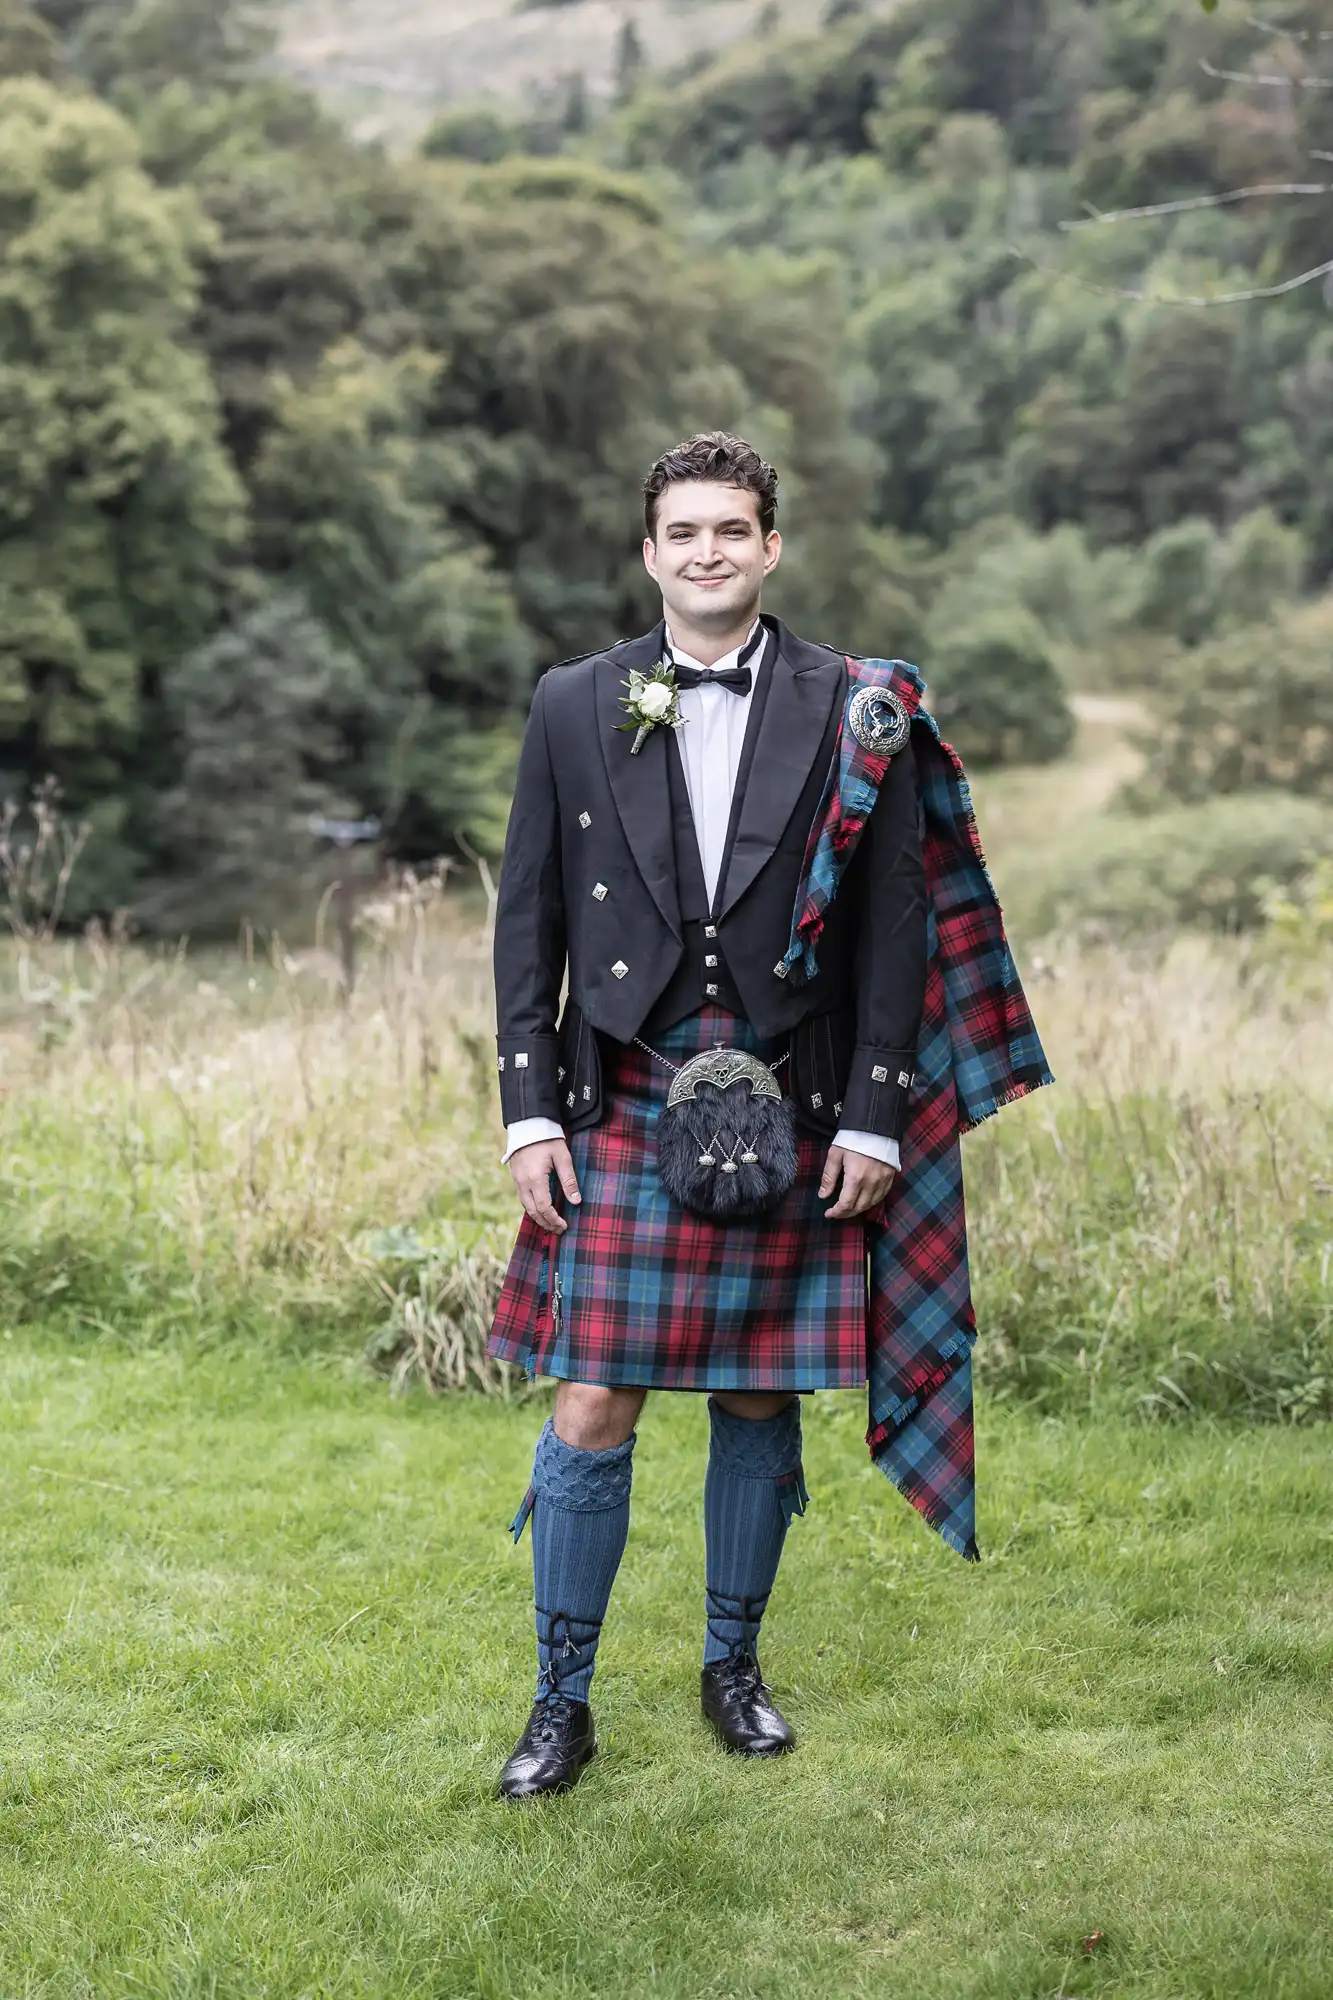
(552, 1751)
(742, 1709)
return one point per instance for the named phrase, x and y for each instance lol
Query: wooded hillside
(315, 456)
(385, 68)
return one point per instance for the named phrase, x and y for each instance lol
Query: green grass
(263, 1644)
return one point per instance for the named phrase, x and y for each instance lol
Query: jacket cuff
(879, 1084)
(529, 1071)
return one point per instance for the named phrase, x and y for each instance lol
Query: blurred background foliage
(316, 451)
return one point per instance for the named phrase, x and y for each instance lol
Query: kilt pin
(640, 1291)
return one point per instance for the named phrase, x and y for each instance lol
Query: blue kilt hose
(641, 1292)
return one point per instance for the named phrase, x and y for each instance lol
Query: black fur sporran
(726, 1137)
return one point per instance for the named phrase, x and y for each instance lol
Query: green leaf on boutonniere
(652, 701)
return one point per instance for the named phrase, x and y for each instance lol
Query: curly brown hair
(715, 456)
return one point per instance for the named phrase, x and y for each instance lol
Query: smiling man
(717, 835)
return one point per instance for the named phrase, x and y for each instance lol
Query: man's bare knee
(753, 1405)
(594, 1418)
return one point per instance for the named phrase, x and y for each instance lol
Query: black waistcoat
(702, 978)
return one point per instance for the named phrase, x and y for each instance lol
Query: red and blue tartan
(978, 1050)
(640, 1291)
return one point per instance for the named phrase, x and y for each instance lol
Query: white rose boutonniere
(652, 699)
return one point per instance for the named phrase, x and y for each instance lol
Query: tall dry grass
(205, 1144)
(1162, 1221)
(192, 1142)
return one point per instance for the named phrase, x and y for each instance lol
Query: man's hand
(865, 1183)
(532, 1167)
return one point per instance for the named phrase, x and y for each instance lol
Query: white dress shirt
(711, 739)
(711, 742)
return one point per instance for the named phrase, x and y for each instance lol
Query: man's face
(709, 556)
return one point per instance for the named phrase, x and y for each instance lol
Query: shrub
(1083, 601)
(1180, 571)
(1196, 583)
(476, 132)
(441, 1299)
(1251, 709)
(1299, 938)
(1212, 866)
(1000, 699)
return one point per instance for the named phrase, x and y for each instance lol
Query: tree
(780, 324)
(258, 713)
(283, 280)
(817, 92)
(117, 505)
(128, 48)
(574, 112)
(351, 503)
(630, 60)
(532, 277)
(27, 45)
(1000, 699)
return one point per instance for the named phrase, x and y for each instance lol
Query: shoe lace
(742, 1676)
(557, 1715)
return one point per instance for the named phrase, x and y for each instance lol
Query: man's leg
(753, 1486)
(579, 1503)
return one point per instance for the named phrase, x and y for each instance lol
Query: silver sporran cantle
(726, 1138)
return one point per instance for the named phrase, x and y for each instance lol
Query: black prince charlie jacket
(602, 874)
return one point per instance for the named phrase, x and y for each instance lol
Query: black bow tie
(735, 678)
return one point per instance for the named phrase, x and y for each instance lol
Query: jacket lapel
(639, 784)
(806, 682)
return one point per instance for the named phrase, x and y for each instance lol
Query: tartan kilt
(641, 1292)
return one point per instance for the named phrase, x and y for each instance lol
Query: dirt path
(1125, 712)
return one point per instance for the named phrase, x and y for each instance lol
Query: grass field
(263, 1642)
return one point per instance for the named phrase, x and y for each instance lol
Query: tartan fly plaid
(978, 1050)
(640, 1291)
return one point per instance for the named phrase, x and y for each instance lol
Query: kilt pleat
(640, 1292)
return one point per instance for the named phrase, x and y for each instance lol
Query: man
(725, 848)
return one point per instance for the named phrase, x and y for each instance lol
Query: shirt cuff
(884, 1150)
(526, 1132)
